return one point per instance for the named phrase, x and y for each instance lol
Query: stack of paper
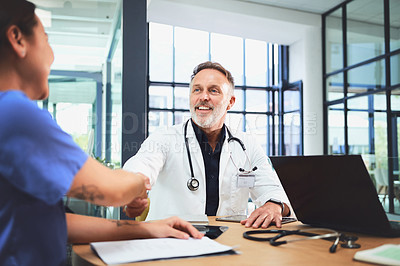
(116, 252)
(387, 254)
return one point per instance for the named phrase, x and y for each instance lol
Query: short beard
(217, 114)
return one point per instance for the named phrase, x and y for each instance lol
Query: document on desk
(388, 254)
(116, 252)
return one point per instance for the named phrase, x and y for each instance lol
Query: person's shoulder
(16, 103)
(11, 98)
(20, 113)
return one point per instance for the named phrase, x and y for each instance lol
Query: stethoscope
(193, 183)
(349, 241)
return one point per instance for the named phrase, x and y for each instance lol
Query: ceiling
(80, 31)
(312, 6)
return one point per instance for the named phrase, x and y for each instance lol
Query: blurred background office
(312, 77)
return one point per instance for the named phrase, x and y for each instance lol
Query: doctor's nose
(205, 96)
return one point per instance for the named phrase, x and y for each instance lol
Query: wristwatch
(276, 201)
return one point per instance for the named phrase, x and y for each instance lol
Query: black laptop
(334, 192)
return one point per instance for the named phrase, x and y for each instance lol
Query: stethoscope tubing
(193, 183)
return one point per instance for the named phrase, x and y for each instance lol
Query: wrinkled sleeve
(151, 157)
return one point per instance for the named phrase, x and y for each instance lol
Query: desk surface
(310, 252)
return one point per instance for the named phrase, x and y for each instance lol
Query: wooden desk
(310, 252)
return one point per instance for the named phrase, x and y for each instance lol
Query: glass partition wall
(362, 89)
(85, 79)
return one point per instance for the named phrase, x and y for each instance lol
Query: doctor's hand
(136, 207)
(263, 216)
(172, 227)
(140, 203)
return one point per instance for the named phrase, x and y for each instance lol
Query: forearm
(85, 229)
(98, 184)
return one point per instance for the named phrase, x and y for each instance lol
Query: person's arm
(149, 160)
(100, 185)
(85, 229)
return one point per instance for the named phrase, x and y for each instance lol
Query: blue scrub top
(38, 162)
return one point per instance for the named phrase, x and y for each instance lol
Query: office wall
(300, 30)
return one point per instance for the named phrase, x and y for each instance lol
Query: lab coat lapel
(224, 159)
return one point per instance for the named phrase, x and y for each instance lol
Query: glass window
(365, 34)
(256, 101)
(160, 97)
(336, 129)
(334, 41)
(257, 126)
(394, 70)
(181, 117)
(256, 63)
(367, 77)
(291, 100)
(160, 58)
(395, 100)
(380, 101)
(359, 103)
(239, 104)
(380, 131)
(292, 131)
(228, 51)
(182, 98)
(159, 120)
(334, 87)
(191, 48)
(169, 101)
(358, 132)
(116, 99)
(235, 122)
(394, 10)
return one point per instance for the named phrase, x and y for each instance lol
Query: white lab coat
(163, 158)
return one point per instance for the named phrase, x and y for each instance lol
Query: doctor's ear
(231, 102)
(17, 41)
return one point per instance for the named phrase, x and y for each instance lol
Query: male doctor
(199, 167)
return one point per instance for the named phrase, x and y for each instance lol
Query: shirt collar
(202, 137)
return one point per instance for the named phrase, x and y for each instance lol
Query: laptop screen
(332, 192)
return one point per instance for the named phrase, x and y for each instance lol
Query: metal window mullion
(324, 88)
(389, 107)
(344, 34)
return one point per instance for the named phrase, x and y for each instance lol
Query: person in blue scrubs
(40, 163)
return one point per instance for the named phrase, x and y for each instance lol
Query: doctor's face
(210, 99)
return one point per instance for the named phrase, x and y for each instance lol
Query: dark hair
(16, 12)
(216, 66)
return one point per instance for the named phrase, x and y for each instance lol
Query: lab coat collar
(197, 156)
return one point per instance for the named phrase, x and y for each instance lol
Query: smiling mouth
(203, 108)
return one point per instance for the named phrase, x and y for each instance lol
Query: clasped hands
(170, 227)
(140, 203)
(260, 217)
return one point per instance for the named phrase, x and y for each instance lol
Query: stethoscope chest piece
(193, 184)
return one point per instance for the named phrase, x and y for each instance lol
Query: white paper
(387, 254)
(116, 252)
